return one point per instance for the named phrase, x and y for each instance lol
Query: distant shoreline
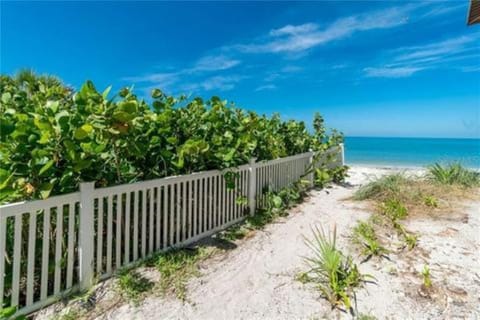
(399, 167)
(425, 138)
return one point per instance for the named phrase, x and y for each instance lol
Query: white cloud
(214, 63)
(266, 87)
(446, 47)
(159, 80)
(222, 83)
(388, 72)
(441, 10)
(299, 38)
(204, 66)
(406, 61)
(292, 30)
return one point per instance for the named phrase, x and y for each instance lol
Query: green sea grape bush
(53, 137)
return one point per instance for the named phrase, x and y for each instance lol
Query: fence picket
(144, 223)
(16, 260)
(32, 234)
(136, 204)
(159, 217)
(58, 251)
(127, 227)
(118, 231)
(45, 248)
(109, 233)
(71, 243)
(184, 211)
(100, 214)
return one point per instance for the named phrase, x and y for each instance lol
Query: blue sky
(371, 68)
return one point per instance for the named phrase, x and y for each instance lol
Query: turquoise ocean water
(411, 152)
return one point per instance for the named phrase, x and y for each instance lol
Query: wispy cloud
(470, 68)
(442, 48)
(406, 61)
(266, 87)
(204, 66)
(391, 72)
(443, 9)
(221, 83)
(295, 39)
(214, 63)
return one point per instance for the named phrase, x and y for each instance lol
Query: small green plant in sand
(334, 274)
(7, 313)
(394, 209)
(427, 281)
(364, 235)
(411, 240)
(431, 201)
(453, 174)
(132, 285)
(233, 233)
(363, 316)
(69, 314)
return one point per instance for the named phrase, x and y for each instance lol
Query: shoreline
(385, 166)
(396, 166)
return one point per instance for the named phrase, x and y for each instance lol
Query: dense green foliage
(53, 137)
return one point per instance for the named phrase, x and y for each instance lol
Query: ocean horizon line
(394, 137)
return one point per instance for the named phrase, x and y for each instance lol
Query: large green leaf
(83, 132)
(45, 190)
(45, 167)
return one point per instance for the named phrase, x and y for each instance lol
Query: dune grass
(132, 285)
(420, 194)
(334, 273)
(382, 188)
(453, 174)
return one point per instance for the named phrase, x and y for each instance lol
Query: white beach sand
(256, 280)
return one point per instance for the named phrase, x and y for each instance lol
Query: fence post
(342, 150)
(252, 187)
(311, 175)
(86, 234)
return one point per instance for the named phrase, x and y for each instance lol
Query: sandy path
(256, 279)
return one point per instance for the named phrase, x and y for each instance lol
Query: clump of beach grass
(132, 285)
(177, 266)
(419, 194)
(334, 273)
(453, 174)
(382, 188)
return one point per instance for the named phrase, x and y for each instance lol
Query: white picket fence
(91, 233)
